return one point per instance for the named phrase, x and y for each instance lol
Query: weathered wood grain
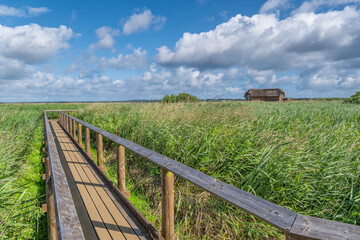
(167, 204)
(120, 168)
(100, 151)
(306, 227)
(67, 221)
(112, 215)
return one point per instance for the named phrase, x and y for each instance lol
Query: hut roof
(272, 92)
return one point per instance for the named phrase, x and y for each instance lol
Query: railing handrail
(293, 224)
(67, 221)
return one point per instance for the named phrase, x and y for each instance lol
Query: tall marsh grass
(21, 187)
(304, 156)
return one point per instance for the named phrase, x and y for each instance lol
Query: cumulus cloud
(266, 45)
(272, 5)
(143, 21)
(178, 79)
(134, 60)
(106, 37)
(314, 5)
(45, 86)
(11, 69)
(33, 43)
(7, 11)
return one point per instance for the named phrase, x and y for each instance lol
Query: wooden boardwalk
(102, 214)
(83, 203)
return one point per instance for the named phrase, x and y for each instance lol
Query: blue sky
(126, 50)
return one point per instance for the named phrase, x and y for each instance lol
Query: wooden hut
(272, 95)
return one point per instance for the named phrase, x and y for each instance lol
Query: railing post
(66, 123)
(50, 200)
(74, 129)
(99, 149)
(87, 141)
(167, 204)
(80, 135)
(120, 150)
(70, 126)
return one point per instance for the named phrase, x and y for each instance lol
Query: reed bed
(22, 190)
(304, 156)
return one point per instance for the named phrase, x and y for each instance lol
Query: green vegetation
(304, 156)
(21, 189)
(301, 155)
(354, 98)
(181, 98)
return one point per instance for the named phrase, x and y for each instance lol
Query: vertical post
(167, 204)
(87, 141)
(70, 126)
(67, 124)
(50, 201)
(74, 129)
(52, 218)
(80, 135)
(120, 150)
(99, 149)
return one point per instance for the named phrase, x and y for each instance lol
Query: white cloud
(11, 69)
(179, 79)
(40, 86)
(272, 5)
(264, 46)
(134, 60)
(235, 90)
(143, 21)
(7, 11)
(11, 11)
(106, 37)
(33, 43)
(312, 6)
(37, 11)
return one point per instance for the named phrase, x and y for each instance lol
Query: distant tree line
(354, 98)
(181, 97)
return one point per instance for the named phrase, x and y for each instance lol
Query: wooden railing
(63, 221)
(295, 226)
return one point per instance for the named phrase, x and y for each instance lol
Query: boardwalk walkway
(102, 214)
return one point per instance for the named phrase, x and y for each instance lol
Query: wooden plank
(127, 213)
(94, 215)
(124, 226)
(278, 216)
(117, 215)
(102, 195)
(83, 215)
(133, 215)
(306, 227)
(68, 225)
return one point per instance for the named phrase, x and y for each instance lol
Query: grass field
(301, 155)
(304, 156)
(21, 189)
